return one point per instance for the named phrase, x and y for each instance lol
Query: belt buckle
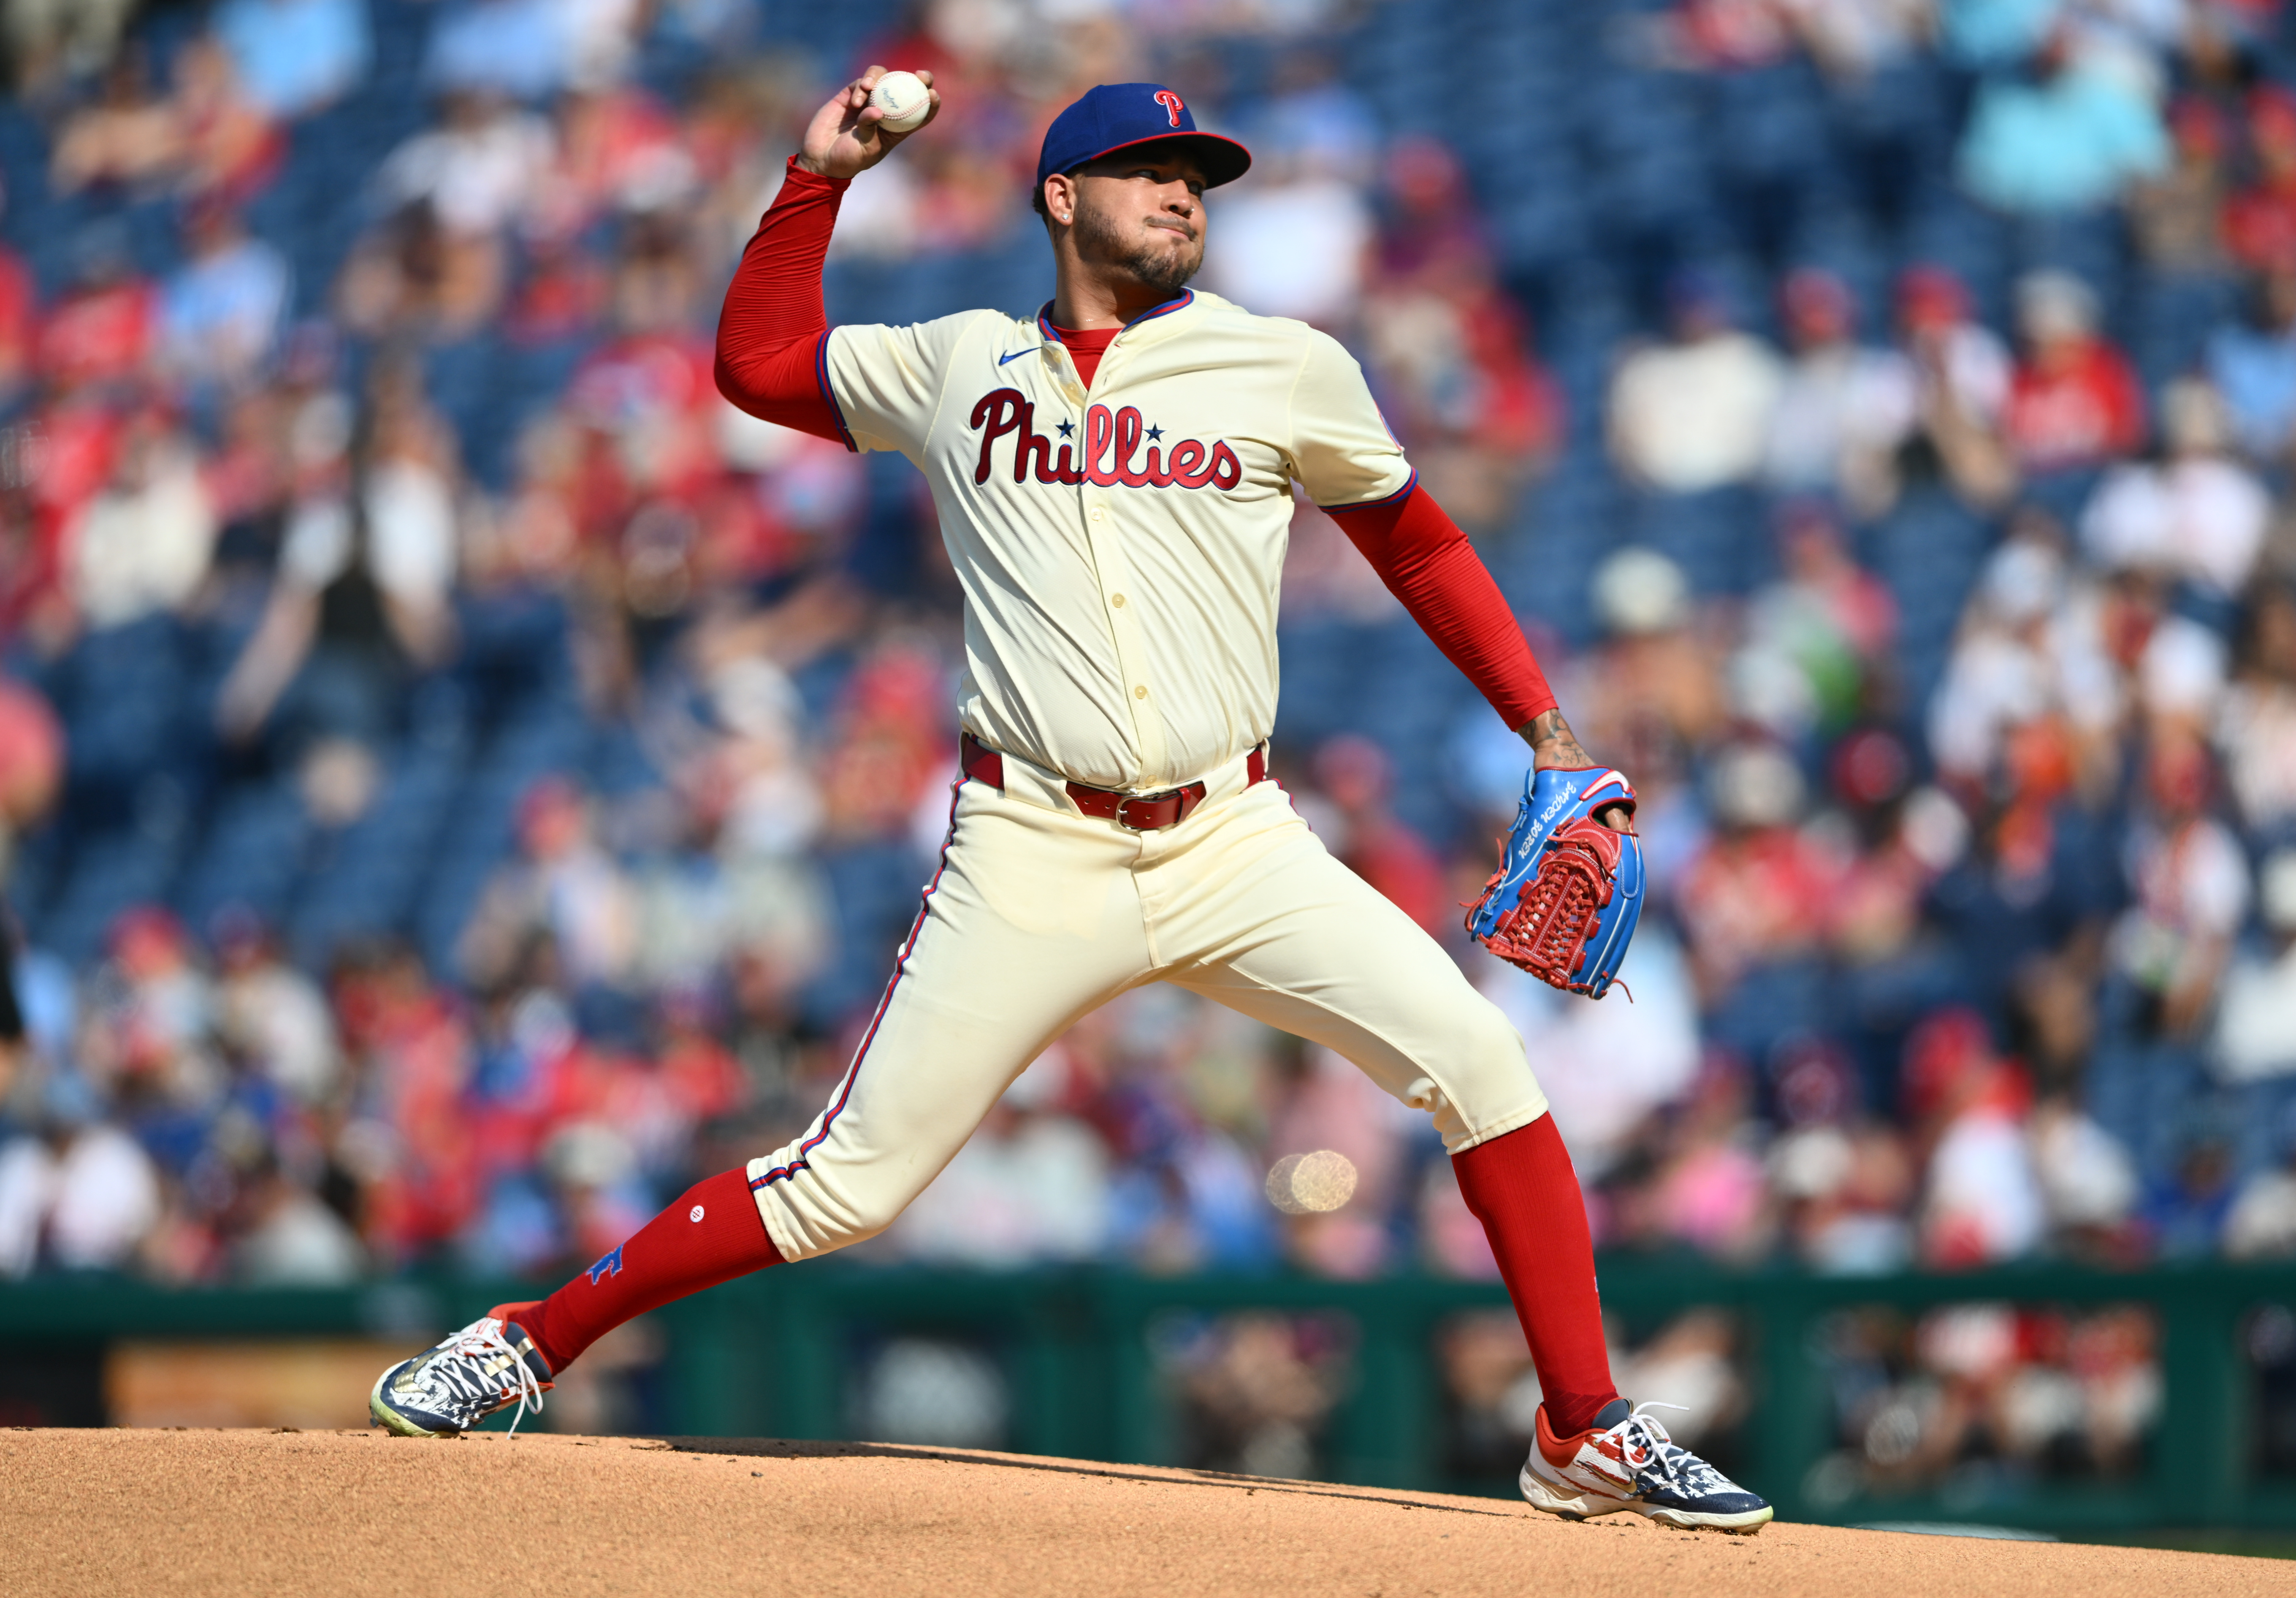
(1124, 811)
(1182, 801)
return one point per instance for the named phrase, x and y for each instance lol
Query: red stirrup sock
(711, 1234)
(1522, 1189)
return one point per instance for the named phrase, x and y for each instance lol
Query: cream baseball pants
(1040, 914)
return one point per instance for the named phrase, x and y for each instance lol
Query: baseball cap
(1114, 115)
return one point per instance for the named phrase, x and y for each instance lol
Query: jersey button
(1097, 514)
(1118, 602)
(1141, 692)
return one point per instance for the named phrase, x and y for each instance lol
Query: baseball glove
(1567, 892)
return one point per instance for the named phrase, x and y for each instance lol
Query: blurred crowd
(1981, 1398)
(460, 780)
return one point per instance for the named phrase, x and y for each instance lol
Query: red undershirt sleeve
(1426, 561)
(772, 329)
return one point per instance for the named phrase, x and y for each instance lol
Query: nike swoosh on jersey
(1015, 356)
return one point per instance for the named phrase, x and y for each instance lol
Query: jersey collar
(1188, 296)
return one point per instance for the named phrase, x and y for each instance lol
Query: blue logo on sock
(610, 1265)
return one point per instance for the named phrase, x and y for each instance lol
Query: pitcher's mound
(113, 1513)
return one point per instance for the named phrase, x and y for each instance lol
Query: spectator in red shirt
(417, 1156)
(1983, 1200)
(18, 323)
(102, 332)
(888, 746)
(648, 396)
(230, 149)
(2074, 400)
(93, 343)
(617, 150)
(205, 137)
(1448, 350)
(1432, 232)
(2259, 222)
(1759, 893)
(1357, 777)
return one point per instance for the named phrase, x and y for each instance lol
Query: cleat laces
(468, 1368)
(1648, 1450)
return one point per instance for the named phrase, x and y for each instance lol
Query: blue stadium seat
(107, 876)
(250, 854)
(1720, 538)
(120, 691)
(2171, 319)
(1930, 550)
(367, 880)
(872, 890)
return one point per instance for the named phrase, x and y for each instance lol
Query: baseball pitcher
(1115, 479)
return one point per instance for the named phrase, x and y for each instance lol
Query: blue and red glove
(1569, 891)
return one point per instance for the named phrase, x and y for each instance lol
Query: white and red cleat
(1625, 1462)
(489, 1364)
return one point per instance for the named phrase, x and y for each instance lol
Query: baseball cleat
(1627, 1462)
(489, 1364)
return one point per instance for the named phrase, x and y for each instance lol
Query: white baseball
(904, 99)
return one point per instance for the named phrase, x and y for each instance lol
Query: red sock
(1522, 1189)
(711, 1234)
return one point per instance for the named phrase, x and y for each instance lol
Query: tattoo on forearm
(1550, 736)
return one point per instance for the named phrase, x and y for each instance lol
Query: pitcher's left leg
(1261, 918)
(1338, 963)
(1264, 921)
(1347, 970)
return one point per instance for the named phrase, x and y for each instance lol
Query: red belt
(1141, 812)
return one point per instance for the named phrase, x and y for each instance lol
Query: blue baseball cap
(1114, 116)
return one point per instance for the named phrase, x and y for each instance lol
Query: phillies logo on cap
(1109, 117)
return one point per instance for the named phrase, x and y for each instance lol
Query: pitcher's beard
(1165, 271)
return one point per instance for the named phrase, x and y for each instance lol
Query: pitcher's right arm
(770, 334)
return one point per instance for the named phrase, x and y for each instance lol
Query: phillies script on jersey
(1113, 456)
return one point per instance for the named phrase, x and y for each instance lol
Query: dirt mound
(350, 1513)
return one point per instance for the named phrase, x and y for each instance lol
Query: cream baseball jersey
(1120, 547)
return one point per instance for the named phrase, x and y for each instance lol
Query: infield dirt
(120, 1512)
